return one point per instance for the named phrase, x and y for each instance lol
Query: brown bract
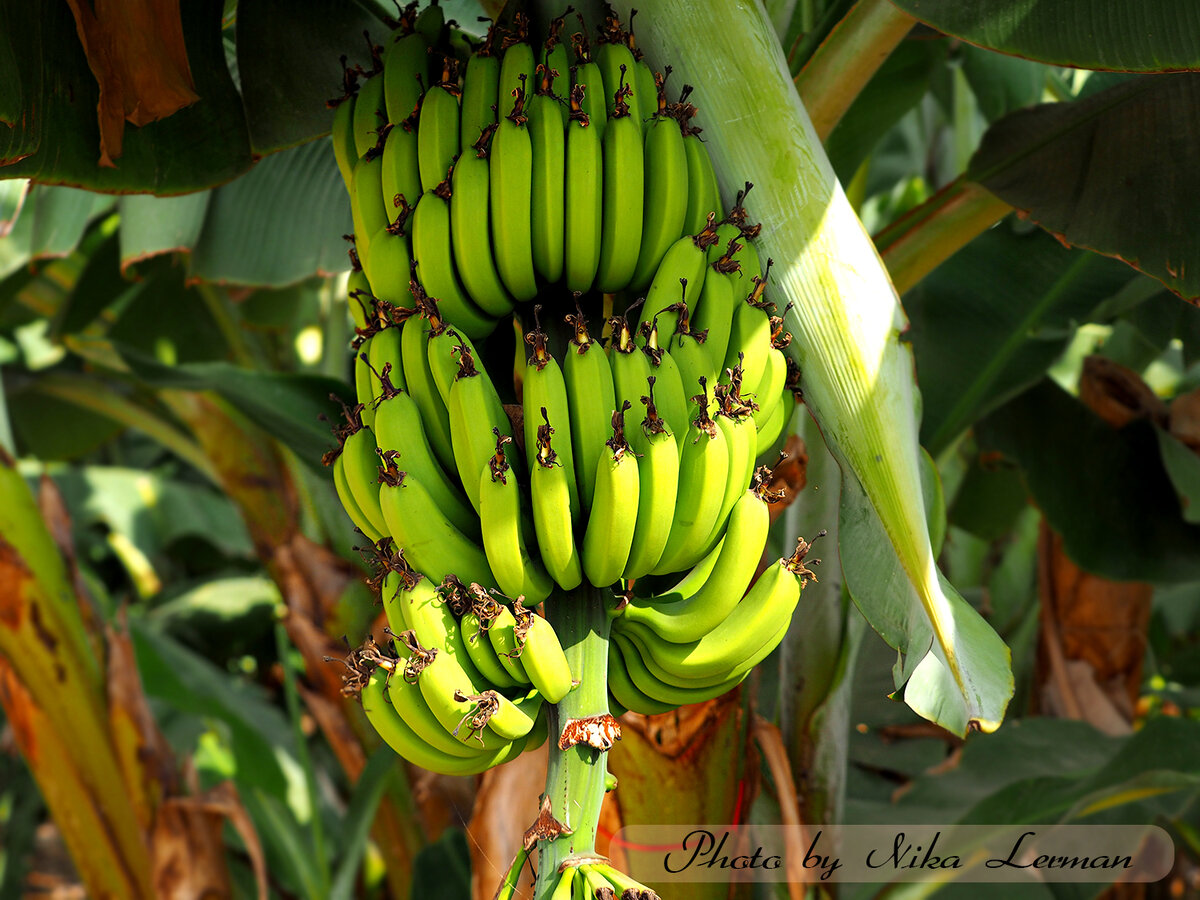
(135, 48)
(600, 732)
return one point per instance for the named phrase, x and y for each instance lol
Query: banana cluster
(608, 433)
(591, 881)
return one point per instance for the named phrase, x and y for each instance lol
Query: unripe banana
(648, 683)
(475, 413)
(690, 618)
(431, 244)
(679, 277)
(359, 298)
(658, 482)
(624, 184)
(550, 493)
(702, 472)
(383, 351)
(610, 526)
(511, 188)
(672, 398)
(366, 203)
(400, 180)
(516, 68)
(345, 153)
(516, 570)
(430, 541)
(771, 430)
(542, 655)
(444, 358)
(625, 692)
(471, 234)
(476, 609)
(545, 395)
(504, 643)
(630, 367)
(389, 264)
(369, 115)
(770, 389)
(586, 78)
(405, 75)
(414, 341)
(479, 94)
(750, 336)
(583, 196)
(666, 197)
(548, 141)
(437, 135)
(591, 400)
(704, 195)
(360, 463)
(412, 602)
(618, 68)
(714, 311)
(555, 56)
(361, 522)
(366, 387)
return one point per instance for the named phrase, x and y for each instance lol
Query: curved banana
(630, 367)
(583, 203)
(430, 541)
(517, 570)
(608, 536)
(551, 500)
(366, 203)
(591, 399)
(590, 85)
(713, 313)
(545, 396)
(657, 689)
(481, 87)
(548, 142)
(504, 643)
(405, 74)
(624, 183)
(477, 608)
(345, 153)
(702, 472)
(389, 263)
(690, 618)
(750, 335)
(400, 180)
(666, 195)
(678, 278)
(618, 69)
(366, 387)
(516, 67)
(658, 481)
(360, 463)
(359, 298)
(672, 397)
(412, 602)
(437, 132)
(511, 188)
(414, 343)
(431, 244)
(624, 691)
(369, 115)
(704, 195)
(361, 522)
(542, 655)
(741, 439)
(475, 413)
(470, 233)
(443, 352)
(690, 353)
(770, 430)
(769, 392)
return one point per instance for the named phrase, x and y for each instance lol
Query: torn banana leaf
(857, 376)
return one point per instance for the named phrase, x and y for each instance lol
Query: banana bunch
(590, 881)
(566, 369)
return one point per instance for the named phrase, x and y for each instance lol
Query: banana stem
(575, 777)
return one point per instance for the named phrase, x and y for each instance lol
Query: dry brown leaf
(135, 48)
(770, 741)
(1118, 395)
(790, 476)
(1185, 418)
(188, 849)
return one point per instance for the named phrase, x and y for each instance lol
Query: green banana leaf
(856, 376)
(1125, 35)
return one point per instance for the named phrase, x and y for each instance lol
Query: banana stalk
(857, 377)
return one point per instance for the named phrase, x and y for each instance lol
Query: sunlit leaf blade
(60, 215)
(56, 138)
(1104, 490)
(1127, 35)
(288, 57)
(368, 791)
(990, 320)
(279, 224)
(1113, 172)
(856, 376)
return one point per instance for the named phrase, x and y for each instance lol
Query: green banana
(518, 571)
(587, 80)
(414, 342)
(555, 57)
(771, 429)
(516, 67)
(658, 482)
(475, 413)
(399, 429)
(750, 336)
(431, 244)
(478, 608)
(437, 133)
(369, 115)
(690, 618)
(551, 499)
(704, 194)
(590, 401)
(618, 69)
(389, 263)
(400, 179)
(504, 643)
(583, 203)
(548, 143)
(443, 353)
(365, 386)
(545, 395)
(361, 522)
(471, 234)
(652, 686)
(713, 313)
(345, 153)
(672, 398)
(608, 536)
(405, 74)
(630, 367)
(624, 183)
(679, 277)
(625, 692)
(366, 203)
(433, 545)
(703, 469)
(479, 93)
(362, 476)
(412, 602)
(541, 654)
(769, 392)
(666, 195)
(511, 188)
(359, 298)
